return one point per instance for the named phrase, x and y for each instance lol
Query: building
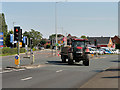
(102, 41)
(116, 39)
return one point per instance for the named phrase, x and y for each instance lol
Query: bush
(34, 49)
(11, 50)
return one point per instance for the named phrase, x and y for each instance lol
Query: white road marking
(6, 71)
(59, 71)
(28, 78)
(22, 69)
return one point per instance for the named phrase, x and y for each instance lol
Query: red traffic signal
(16, 30)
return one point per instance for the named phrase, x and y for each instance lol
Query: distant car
(108, 52)
(93, 50)
(41, 48)
(55, 48)
(101, 51)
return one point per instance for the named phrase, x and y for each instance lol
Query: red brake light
(87, 50)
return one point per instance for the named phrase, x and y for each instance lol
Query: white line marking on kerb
(59, 71)
(28, 78)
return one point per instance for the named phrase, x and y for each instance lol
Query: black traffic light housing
(95, 42)
(17, 34)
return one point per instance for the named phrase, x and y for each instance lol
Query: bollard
(33, 60)
(17, 60)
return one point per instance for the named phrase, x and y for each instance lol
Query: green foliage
(35, 35)
(7, 41)
(48, 46)
(83, 36)
(3, 27)
(54, 35)
(34, 49)
(42, 42)
(10, 51)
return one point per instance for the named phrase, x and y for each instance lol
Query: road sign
(11, 38)
(56, 44)
(17, 60)
(20, 44)
(24, 39)
(60, 42)
(1, 39)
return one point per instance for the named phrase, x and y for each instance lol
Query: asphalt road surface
(55, 74)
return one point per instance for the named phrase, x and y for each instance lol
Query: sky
(76, 18)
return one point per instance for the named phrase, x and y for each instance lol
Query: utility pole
(13, 34)
(56, 25)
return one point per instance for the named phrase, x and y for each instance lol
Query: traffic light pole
(18, 48)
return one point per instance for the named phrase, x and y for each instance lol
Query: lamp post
(13, 34)
(56, 25)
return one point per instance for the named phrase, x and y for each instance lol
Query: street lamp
(56, 25)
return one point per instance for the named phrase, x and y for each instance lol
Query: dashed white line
(28, 78)
(59, 71)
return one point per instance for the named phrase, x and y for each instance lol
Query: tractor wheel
(70, 59)
(63, 58)
(86, 61)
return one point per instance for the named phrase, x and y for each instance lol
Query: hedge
(11, 50)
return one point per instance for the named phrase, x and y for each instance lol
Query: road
(55, 74)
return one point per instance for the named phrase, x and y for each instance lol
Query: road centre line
(28, 78)
(59, 71)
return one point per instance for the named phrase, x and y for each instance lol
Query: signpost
(17, 60)
(18, 38)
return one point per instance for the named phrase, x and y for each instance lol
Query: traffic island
(23, 67)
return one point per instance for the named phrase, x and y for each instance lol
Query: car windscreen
(78, 44)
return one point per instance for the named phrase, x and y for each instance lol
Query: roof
(100, 40)
(80, 39)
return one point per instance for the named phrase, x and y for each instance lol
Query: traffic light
(31, 41)
(26, 41)
(20, 35)
(95, 42)
(16, 33)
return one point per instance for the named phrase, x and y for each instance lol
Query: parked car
(101, 51)
(108, 51)
(93, 50)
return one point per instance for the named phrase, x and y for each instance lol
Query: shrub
(11, 50)
(34, 49)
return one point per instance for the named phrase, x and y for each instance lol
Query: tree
(3, 26)
(83, 36)
(35, 35)
(42, 42)
(54, 35)
(7, 41)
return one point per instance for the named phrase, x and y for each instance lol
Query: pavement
(106, 79)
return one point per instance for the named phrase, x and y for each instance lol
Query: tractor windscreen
(78, 44)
